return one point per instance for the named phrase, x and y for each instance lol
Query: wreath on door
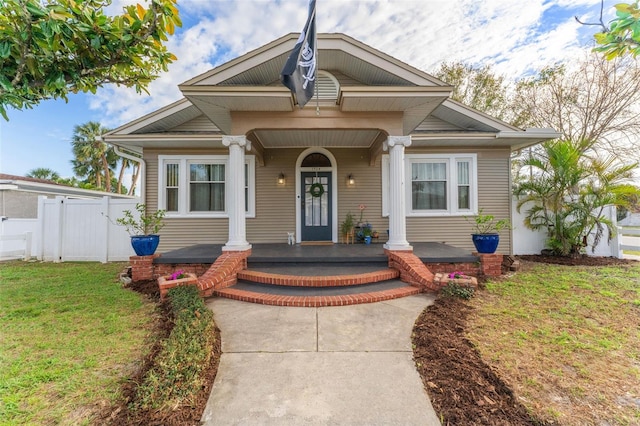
(316, 190)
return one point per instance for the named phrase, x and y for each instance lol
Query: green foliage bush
(454, 289)
(176, 376)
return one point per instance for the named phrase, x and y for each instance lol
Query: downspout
(143, 168)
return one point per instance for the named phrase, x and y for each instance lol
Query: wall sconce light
(281, 179)
(351, 180)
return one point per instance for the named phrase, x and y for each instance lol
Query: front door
(316, 206)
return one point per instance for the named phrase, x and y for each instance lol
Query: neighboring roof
(44, 186)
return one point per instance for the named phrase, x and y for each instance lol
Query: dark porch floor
(335, 253)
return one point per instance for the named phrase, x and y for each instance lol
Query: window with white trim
(195, 186)
(436, 184)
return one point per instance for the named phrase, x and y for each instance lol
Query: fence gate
(83, 230)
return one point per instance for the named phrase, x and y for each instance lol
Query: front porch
(313, 275)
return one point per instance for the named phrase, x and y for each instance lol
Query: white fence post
(58, 228)
(27, 245)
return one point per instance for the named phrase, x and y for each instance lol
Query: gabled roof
(361, 62)
(371, 82)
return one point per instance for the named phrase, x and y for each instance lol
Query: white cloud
(518, 37)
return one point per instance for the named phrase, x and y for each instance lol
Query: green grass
(566, 338)
(70, 334)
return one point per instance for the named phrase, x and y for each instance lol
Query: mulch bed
(462, 388)
(581, 260)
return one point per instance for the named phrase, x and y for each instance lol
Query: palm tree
(94, 159)
(124, 165)
(568, 190)
(43, 173)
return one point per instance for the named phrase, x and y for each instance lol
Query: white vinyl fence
(17, 238)
(82, 230)
(526, 241)
(629, 238)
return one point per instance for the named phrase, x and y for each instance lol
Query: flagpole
(316, 53)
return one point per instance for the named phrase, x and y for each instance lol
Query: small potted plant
(486, 232)
(346, 228)
(143, 228)
(366, 233)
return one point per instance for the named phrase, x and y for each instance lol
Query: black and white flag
(299, 72)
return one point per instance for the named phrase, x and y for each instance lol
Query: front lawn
(566, 339)
(70, 335)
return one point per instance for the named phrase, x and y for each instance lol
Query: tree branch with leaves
(622, 36)
(48, 50)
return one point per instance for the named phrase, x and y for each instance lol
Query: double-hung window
(195, 186)
(436, 184)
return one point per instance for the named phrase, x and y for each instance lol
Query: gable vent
(327, 86)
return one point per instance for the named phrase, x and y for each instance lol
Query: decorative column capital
(241, 141)
(392, 141)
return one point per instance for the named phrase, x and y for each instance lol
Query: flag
(299, 72)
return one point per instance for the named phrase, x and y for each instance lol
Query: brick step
(248, 292)
(317, 281)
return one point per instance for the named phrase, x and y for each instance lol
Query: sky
(516, 37)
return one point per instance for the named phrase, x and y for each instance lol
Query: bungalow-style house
(236, 162)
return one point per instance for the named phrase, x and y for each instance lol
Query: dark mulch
(581, 260)
(462, 388)
(190, 415)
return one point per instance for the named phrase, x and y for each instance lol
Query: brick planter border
(166, 284)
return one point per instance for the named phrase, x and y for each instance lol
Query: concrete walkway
(348, 365)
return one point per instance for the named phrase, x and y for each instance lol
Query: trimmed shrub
(176, 375)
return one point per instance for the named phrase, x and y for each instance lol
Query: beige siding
(275, 204)
(367, 189)
(493, 197)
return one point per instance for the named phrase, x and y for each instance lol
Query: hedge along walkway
(318, 366)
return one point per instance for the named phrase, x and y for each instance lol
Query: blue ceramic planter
(485, 243)
(367, 239)
(145, 245)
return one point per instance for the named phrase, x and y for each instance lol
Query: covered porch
(330, 254)
(320, 274)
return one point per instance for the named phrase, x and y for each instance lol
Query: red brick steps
(316, 301)
(317, 281)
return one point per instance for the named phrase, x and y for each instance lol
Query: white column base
(398, 247)
(236, 247)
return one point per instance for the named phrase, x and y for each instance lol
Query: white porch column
(235, 193)
(397, 194)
